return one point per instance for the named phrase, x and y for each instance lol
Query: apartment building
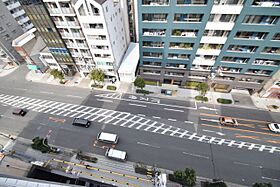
(9, 30)
(18, 14)
(236, 42)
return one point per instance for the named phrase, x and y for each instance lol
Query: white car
(274, 127)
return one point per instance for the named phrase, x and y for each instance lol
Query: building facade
(81, 34)
(18, 13)
(9, 30)
(39, 16)
(188, 40)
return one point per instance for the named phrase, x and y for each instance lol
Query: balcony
(201, 68)
(154, 17)
(71, 45)
(154, 33)
(151, 72)
(54, 10)
(193, 18)
(174, 74)
(73, 24)
(67, 11)
(155, 2)
(178, 56)
(184, 33)
(152, 55)
(60, 23)
(77, 35)
(13, 6)
(82, 45)
(176, 66)
(261, 20)
(24, 20)
(18, 13)
(235, 60)
(231, 70)
(271, 50)
(192, 3)
(151, 64)
(243, 49)
(66, 35)
(266, 3)
(259, 72)
(153, 44)
(251, 35)
(264, 62)
(188, 46)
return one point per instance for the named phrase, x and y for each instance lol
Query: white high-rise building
(94, 32)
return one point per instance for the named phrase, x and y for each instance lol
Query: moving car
(116, 154)
(81, 122)
(274, 127)
(228, 121)
(107, 138)
(19, 112)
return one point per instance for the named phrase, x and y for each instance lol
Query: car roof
(116, 153)
(228, 119)
(80, 120)
(107, 136)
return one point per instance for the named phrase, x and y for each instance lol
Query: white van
(116, 154)
(107, 137)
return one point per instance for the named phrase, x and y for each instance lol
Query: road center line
(171, 109)
(196, 155)
(137, 105)
(245, 164)
(170, 119)
(75, 96)
(105, 100)
(145, 144)
(46, 92)
(20, 89)
(156, 117)
(267, 178)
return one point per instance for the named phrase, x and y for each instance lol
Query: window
(266, 20)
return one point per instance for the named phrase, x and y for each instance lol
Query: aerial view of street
(163, 93)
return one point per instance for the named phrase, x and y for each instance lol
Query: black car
(19, 112)
(81, 122)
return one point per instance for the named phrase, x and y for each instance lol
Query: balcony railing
(156, 2)
(266, 3)
(159, 33)
(54, 11)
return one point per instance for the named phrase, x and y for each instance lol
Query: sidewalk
(239, 98)
(107, 171)
(7, 69)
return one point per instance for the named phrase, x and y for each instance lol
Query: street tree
(202, 88)
(57, 74)
(186, 178)
(97, 75)
(262, 185)
(139, 82)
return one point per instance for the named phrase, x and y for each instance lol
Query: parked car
(19, 112)
(81, 122)
(274, 127)
(228, 121)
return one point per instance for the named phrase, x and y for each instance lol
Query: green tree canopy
(57, 74)
(186, 178)
(202, 88)
(262, 185)
(97, 75)
(139, 82)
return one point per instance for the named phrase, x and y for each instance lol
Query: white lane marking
(4, 105)
(7, 117)
(267, 178)
(145, 144)
(246, 164)
(143, 115)
(196, 155)
(219, 133)
(137, 105)
(146, 102)
(76, 96)
(171, 109)
(211, 120)
(156, 117)
(105, 100)
(207, 108)
(171, 119)
(46, 92)
(23, 89)
(188, 122)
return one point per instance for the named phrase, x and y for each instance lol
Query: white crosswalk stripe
(122, 119)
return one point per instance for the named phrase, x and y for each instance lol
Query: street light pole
(212, 160)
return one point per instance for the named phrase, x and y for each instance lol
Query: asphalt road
(232, 164)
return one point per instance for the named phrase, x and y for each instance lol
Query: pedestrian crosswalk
(123, 119)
